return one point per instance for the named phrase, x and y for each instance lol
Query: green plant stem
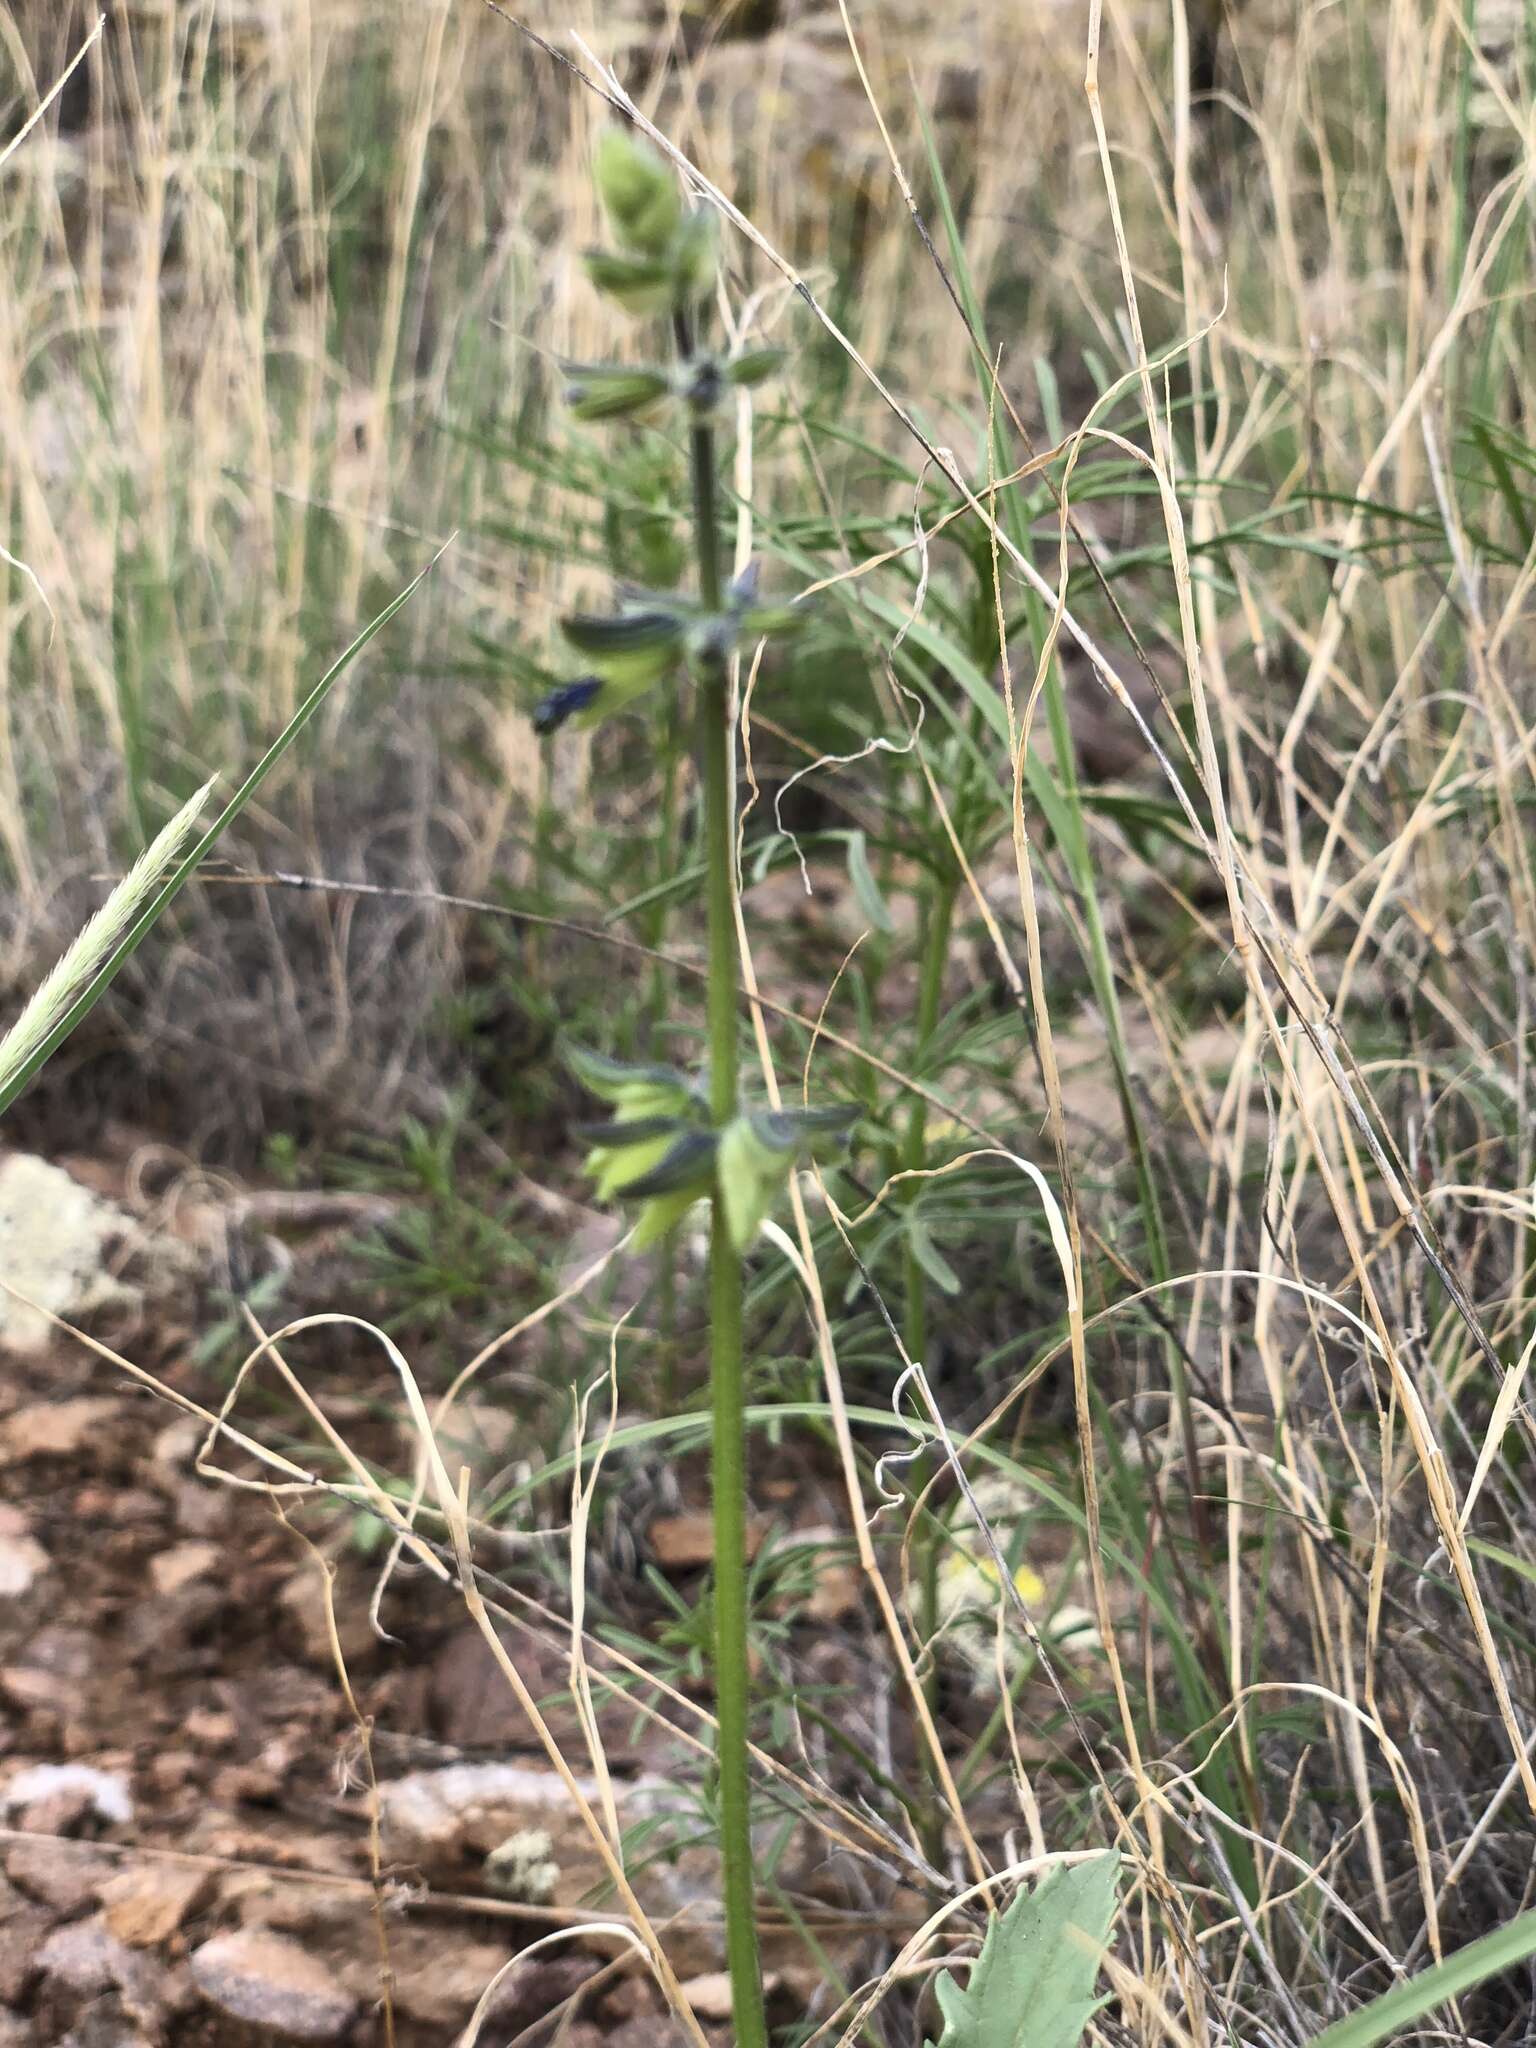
(656, 1006)
(930, 994)
(727, 1391)
(940, 916)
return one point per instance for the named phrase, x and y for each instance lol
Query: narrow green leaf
(865, 888)
(1515, 503)
(1504, 1949)
(931, 1259)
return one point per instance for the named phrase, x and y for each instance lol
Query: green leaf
(865, 888)
(931, 1259)
(1504, 1949)
(1032, 1984)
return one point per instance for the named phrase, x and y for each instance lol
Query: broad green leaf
(1032, 1985)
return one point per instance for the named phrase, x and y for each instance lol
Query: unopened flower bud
(638, 191)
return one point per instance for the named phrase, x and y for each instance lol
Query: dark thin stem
(726, 1376)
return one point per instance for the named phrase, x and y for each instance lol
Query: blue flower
(563, 702)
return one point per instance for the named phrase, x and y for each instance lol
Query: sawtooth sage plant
(672, 1139)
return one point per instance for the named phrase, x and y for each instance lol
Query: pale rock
(23, 1561)
(145, 1905)
(86, 1957)
(54, 1239)
(465, 1803)
(272, 1983)
(62, 1874)
(687, 1541)
(181, 1565)
(54, 1429)
(106, 1792)
(710, 1995)
(523, 1867)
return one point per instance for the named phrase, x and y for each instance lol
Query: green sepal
(628, 1130)
(786, 1128)
(642, 285)
(749, 1178)
(754, 366)
(760, 621)
(631, 650)
(695, 255)
(613, 391)
(660, 1215)
(671, 1185)
(617, 1081)
(658, 1110)
(613, 1167)
(688, 1162)
(757, 1150)
(639, 193)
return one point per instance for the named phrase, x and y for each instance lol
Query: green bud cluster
(659, 1148)
(615, 391)
(665, 262)
(667, 258)
(652, 634)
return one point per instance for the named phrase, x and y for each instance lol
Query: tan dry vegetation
(1309, 285)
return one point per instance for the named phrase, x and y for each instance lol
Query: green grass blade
(44, 1037)
(1398, 2008)
(23, 1047)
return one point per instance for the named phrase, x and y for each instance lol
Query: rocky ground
(185, 1831)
